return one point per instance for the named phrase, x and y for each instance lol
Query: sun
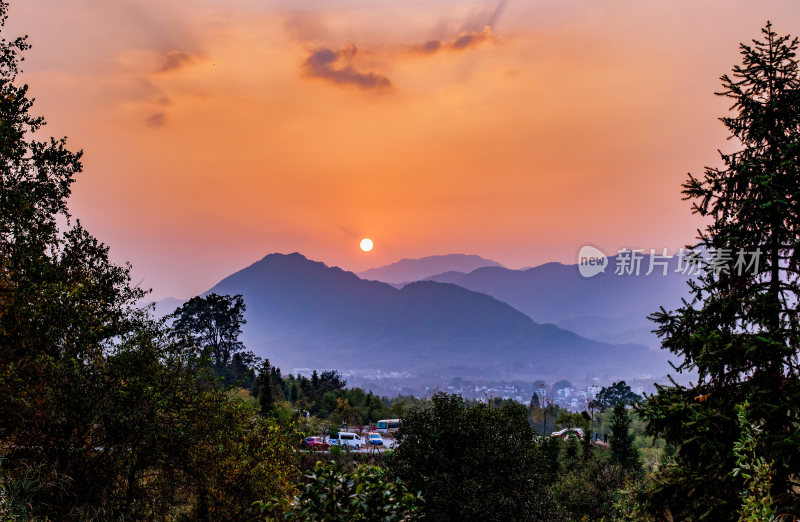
(366, 244)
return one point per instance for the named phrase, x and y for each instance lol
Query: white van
(345, 439)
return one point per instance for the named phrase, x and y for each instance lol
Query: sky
(217, 132)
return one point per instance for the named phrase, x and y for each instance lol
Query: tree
(567, 419)
(543, 419)
(623, 452)
(757, 503)
(102, 414)
(265, 388)
(61, 304)
(331, 494)
(472, 463)
(214, 323)
(617, 392)
(586, 446)
(739, 333)
(560, 385)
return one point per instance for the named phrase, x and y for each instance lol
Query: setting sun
(366, 244)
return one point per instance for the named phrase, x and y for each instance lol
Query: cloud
(175, 60)
(498, 11)
(485, 17)
(157, 119)
(463, 41)
(337, 67)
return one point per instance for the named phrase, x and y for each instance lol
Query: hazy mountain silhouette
(303, 313)
(408, 270)
(166, 306)
(605, 307)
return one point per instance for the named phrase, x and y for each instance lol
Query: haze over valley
(453, 316)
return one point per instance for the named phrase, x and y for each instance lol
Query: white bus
(387, 425)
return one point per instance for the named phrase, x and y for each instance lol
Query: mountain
(408, 270)
(607, 307)
(302, 313)
(166, 306)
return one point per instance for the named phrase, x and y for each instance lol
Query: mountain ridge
(408, 270)
(303, 313)
(607, 307)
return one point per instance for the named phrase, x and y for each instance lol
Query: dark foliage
(623, 452)
(610, 396)
(740, 333)
(330, 493)
(213, 324)
(473, 463)
(102, 414)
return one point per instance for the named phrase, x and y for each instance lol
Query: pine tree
(739, 333)
(586, 446)
(623, 451)
(266, 395)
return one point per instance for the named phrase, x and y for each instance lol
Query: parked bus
(387, 425)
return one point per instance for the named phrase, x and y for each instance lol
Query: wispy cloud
(175, 60)
(463, 41)
(157, 119)
(338, 67)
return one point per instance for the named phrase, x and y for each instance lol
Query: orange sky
(217, 132)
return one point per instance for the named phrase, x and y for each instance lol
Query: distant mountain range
(607, 307)
(167, 306)
(302, 313)
(410, 270)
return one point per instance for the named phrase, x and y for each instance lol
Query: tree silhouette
(214, 322)
(623, 452)
(608, 397)
(740, 331)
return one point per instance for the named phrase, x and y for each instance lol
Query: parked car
(375, 439)
(345, 439)
(317, 443)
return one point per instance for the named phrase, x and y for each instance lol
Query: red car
(317, 443)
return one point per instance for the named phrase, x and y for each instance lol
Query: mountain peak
(277, 256)
(408, 270)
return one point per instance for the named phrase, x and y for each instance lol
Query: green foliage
(757, 503)
(104, 414)
(543, 419)
(739, 334)
(623, 452)
(589, 491)
(608, 397)
(566, 419)
(213, 324)
(473, 463)
(266, 388)
(328, 493)
(324, 395)
(587, 449)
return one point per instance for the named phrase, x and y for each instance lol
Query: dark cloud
(174, 60)
(337, 67)
(461, 42)
(431, 46)
(157, 119)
